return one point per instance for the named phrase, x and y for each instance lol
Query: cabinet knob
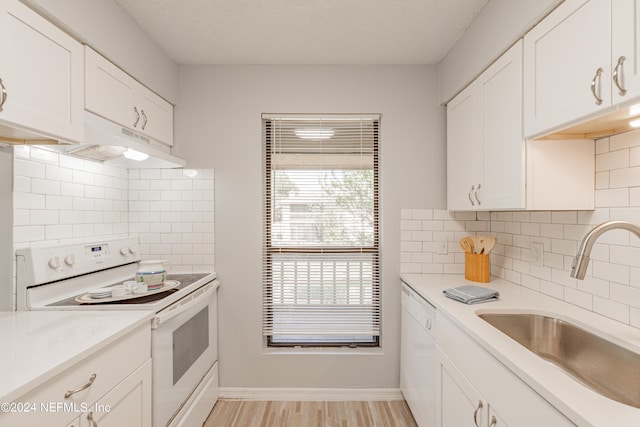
(616, 72)
(135, 110)
(475, 413)
(144, 117)
(91, 420)
(476, 194)
(84, 387)
(596, 79)
(3, 99)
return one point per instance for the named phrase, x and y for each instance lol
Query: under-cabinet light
(135, 155)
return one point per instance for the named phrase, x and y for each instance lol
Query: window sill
(323, 351)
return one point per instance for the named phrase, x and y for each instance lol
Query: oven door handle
(180, 307)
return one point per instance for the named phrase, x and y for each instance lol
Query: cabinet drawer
(111, 365)
(518, 404)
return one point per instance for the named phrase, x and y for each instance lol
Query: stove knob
(70, 260)
(123, 252)
(132, 250)
(54, 264)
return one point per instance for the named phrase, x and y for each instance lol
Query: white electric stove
(184, 330)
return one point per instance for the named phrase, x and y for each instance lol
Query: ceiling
(304, 31)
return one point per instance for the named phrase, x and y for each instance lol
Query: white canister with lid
(152, 272)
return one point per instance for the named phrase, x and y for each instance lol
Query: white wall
(103, 25)
(218, 125)
(496, 28)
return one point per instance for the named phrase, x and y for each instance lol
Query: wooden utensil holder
(477, 267)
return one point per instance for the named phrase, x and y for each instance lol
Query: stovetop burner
(185, 280)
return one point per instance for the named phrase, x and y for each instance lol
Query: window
(321, 255)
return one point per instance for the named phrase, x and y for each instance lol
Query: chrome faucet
(581, 261)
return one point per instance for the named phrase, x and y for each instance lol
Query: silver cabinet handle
(475, 413)
(91, 420)
(84, 387)
(469, 195)
(4, 95)
(135, 110)
(494, 422)
(144, 116)
(596, 78)
(621, 90)
(476, 195)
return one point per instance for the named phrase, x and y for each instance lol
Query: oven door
(184, 348)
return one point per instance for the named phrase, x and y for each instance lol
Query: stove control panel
(44, 264)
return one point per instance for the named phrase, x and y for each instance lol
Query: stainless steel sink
(601, 365)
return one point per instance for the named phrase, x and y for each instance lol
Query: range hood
(110, 143)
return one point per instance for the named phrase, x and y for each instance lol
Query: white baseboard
(311, 394)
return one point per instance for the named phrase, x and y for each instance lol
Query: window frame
(269, 250)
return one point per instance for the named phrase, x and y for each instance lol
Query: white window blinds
(321, 258)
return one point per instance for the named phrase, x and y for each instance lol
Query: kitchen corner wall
(612, 285)
(64, 199)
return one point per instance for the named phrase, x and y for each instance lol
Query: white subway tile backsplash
(28, 201)
(611, 309)
(63, 199)
(612, 160)
(29, 168)
(629, 177)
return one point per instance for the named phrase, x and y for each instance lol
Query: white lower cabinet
(458, 402)
(475, 389)
(111, 387)
(127, 404)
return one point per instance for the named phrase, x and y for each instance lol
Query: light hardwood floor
(244, 413)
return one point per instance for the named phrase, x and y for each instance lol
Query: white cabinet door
(562, 58)
(115, 95)
(485, 148)
(128, 404)
(625, 50)
(157, 116)
(458, 403)
(42, 73)
(464, 149)
(503, 153)
(109, 91)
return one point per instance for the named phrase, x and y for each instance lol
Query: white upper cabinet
(463, 149)
(114, 95)
(567, 71)
(485, 149)
(625, 50)
(42, 76)
(581, 61)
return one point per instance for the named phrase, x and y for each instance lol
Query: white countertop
(38, 345)
(583, 406)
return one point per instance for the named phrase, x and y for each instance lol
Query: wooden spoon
(466, 243)
(477, 244)
(488, 243)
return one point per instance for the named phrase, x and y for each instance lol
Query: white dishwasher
(418, 356)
